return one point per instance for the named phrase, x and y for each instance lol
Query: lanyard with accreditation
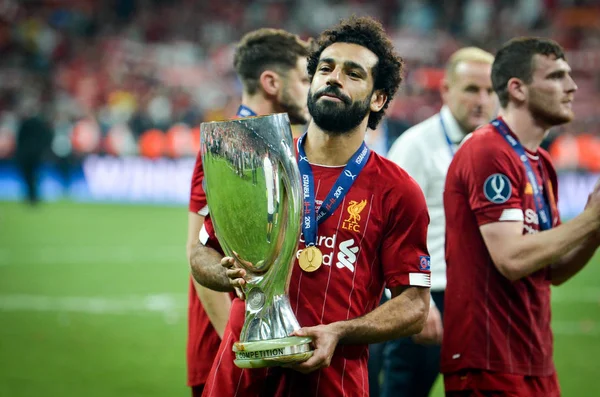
(311, 257)
(448, 141)
(541, 204)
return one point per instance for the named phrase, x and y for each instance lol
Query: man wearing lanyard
(425, 151)
(271, 65)
(505, 244)
(365, 228)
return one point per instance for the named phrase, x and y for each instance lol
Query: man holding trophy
(363, 222)
(271, 64)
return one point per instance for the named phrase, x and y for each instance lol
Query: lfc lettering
(354, 209)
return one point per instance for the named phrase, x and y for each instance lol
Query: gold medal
(310, 259)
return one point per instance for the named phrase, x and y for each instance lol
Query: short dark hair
(264, 49)
(515, 59)
(368, 33)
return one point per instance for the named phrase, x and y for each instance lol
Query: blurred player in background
(271, 65)
(505, 244)
(376, 229)
(425, 151)
(34, 138)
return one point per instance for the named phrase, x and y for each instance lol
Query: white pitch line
(91, 255)
(157, 303)
(173, 307)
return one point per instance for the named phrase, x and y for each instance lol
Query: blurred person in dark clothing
(34, 138)
(395, 128)
(375, 363)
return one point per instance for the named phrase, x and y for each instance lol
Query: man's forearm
(205, 264)
(540, 250)
(573, 262)
(403, 315)
(520, 257)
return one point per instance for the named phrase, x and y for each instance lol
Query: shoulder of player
(483, 142)
(198, 170)
(390, 177)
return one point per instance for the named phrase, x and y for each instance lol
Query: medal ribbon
(541, 204)
(244, 111)
(311, 218)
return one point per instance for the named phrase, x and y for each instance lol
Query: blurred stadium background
(93, 281)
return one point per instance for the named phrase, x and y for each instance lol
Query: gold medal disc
(310, 259)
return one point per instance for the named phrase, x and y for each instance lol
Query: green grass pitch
(93, 303)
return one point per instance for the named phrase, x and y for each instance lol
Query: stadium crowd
(137, 77)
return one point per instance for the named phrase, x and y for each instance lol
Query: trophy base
(272, 353)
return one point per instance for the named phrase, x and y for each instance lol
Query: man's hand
(433, 330)
(236, 275)
(325, 340)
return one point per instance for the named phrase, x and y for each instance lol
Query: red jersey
(490, 322)
(375, 238)
(198, 202)
(203, 340)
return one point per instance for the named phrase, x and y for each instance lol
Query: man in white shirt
(425, 151)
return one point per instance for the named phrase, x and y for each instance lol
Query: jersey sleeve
(198, 202)
(404, 255)
(208, 237)
(493, 183)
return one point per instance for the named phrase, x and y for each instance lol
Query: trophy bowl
(252, 186)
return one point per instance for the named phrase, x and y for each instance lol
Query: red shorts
(475, 383)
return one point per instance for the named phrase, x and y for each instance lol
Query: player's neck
(528, 130)
(332, 150)
(258, 104)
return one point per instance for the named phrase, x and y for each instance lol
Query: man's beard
(296, 113)
(541, 110)
(337, 118)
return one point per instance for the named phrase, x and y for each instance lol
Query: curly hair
(368, 33)
(265, 49)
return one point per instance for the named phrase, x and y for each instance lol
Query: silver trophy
(253, 190)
